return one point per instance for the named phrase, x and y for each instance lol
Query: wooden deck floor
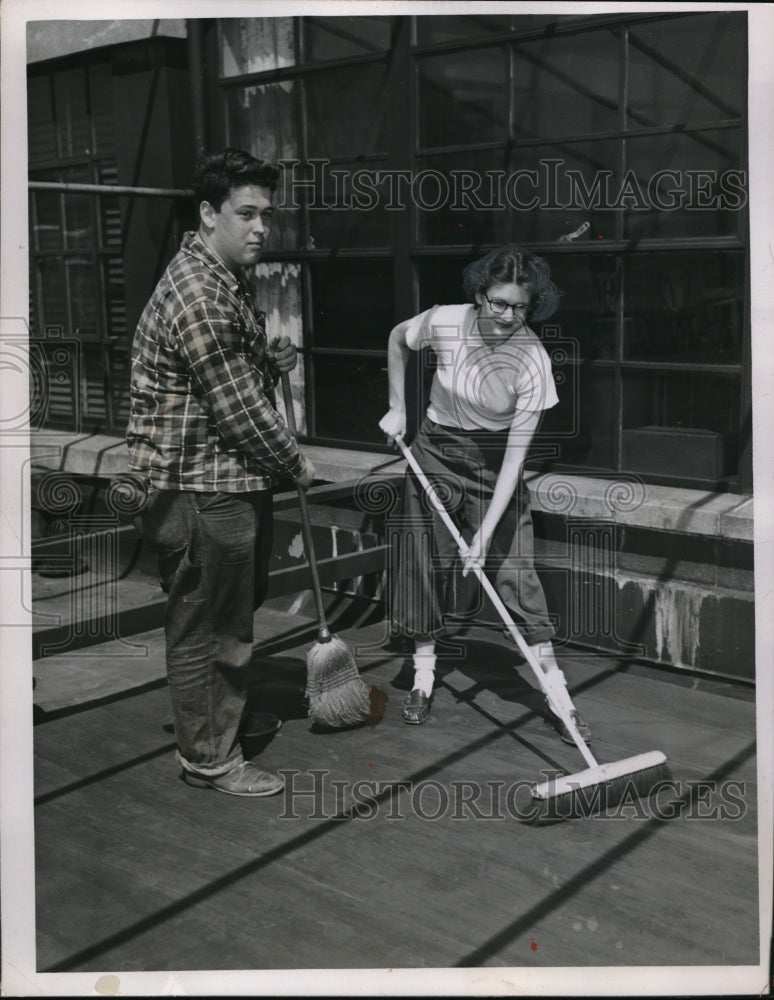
(137, 871)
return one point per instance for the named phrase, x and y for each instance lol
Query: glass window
(458, 198)
(554, 189)
(52, 292)
(687, 69)
(79, 229)
(434, 30)
(83, 287)
(350, 398)
(352, 212)
(46, 228)
(440, 281)
(566, 85)
(582, 426)
(346, 112)
(431, 30)
(263, 121)
(352, 304)
(615, 148)
(345, 37)
(682, 424)
(40, 119)
(684, 307)
(71, 110)
(462, 98)
(685, 184)
(255, 44)
(590, 287)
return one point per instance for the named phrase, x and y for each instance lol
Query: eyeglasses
(498, 307)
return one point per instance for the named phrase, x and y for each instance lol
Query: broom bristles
(598, 789)
(601, 774)
(338, 696)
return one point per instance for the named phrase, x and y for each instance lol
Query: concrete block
(727, 635)
(739, 521)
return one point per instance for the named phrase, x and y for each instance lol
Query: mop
(599, 786)
(338, 696)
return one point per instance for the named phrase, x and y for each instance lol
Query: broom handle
(547, 683)
(306, 524)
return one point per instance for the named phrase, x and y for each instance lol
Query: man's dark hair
(522, 267)
(218, 174)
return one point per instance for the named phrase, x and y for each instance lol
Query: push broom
(338, 696)
(599, 786)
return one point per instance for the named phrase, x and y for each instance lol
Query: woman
(492, 382)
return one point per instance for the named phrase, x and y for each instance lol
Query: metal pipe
(151, 192)
(196, 78)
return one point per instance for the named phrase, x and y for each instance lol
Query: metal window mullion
(37, 289)
(745, 468)
(348, 352)
(510, 139)
(618, 407)
(283, 74)
(409, 135)
(644, 132)
(69, 318)
(307, 304)
(682, 366)
(595, 22)
(620, 319)
(98, 263)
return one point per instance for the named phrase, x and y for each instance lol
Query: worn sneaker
(244, 779)
(554, 722)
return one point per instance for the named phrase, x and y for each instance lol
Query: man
(205, 433)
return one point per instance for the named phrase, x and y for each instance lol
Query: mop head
(337, 695)
(599, 789)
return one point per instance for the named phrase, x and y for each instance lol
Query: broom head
(338, 696)
(598, 789)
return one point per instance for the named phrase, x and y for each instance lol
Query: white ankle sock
(424, 673)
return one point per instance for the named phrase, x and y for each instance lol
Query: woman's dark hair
(522, 267)
(218, 174)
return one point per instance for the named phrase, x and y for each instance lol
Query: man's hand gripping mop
(338, 696)
(599, 786)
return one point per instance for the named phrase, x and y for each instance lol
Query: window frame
(408, 251)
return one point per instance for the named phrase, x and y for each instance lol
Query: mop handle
(306, 524)
(488, 586)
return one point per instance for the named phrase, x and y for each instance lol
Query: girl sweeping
(492, 382)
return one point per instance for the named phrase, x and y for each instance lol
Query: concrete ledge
(625, 500)
(629, 501)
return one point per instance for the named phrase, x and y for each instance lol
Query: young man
(205, 433)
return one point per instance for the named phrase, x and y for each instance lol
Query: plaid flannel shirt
(202, 384)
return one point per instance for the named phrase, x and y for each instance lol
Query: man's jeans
(214, 551)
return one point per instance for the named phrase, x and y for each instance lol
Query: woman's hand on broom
(393, 423)
(475, 557)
